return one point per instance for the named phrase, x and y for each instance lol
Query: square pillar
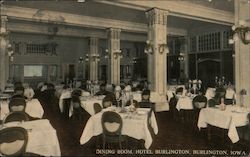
(157, 42)
(242, 53)
(93, 58)
(115, 54)
(4, 59)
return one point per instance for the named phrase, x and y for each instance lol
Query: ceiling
(91, 8)
(226, 5)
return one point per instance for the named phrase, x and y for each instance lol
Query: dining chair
(244, 136)
(17, 104)
(112, 126)
(172, 107)
(212, 103)
(145, 96)
(150, 105)
(19, 90)
(66, 106)
(97, 108)
(199, 102)
(50, 94)
(13, 141)
(152, 109)
(108, 101)
(77, 109)
(16, 116)
(135, 103)
(179, 91)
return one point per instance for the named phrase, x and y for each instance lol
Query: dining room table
(33, 108)
(87, 103)
(184, 103)
(42, 137)
(135, 125)
(161, 102)
(232, 117)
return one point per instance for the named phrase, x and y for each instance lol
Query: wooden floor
(172, 135)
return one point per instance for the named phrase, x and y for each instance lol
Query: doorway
(207, 70)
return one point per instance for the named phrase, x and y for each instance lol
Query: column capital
(157, 16)
(114, 33)
(3, 24)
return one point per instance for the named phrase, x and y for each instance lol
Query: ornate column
(93, 58)
(157, 41)
(115, 54)
(4, 62)
(242, 53)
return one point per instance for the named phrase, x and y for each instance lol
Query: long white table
(229, 119)
(42, 137)
(134, 125)
(33, 108)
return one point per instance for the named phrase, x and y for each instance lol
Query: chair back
(75, 98)
(19, 90)
(77, 92)
(135, 103)
(179, 91)
(17, 104)
(97, 108)
(107, 101)
(13, 141)
(16, 116)
(199, 102)
(111, 123)
(66, 105)
(147, 105)
(145, 96)
(212, 102)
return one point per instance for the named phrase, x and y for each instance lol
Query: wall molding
(181, 9)
(98, 25)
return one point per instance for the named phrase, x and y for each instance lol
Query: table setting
(33, 108)
(42, 137)
(131, 117)
(226, 117)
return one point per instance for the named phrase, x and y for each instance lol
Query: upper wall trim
(180, 9)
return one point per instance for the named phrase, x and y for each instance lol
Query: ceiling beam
(180, 9)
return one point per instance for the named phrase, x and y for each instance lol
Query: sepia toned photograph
(147, 78)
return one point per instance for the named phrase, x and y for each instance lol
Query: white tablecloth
(135, 127)
(229, 119)
(88, 105)
(58, 90)
(42, 137)
(161, 103)
(33, 108)
(185, 103)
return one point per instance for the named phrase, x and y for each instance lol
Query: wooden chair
(135, 103)
(17, 104)
(77, 109)
(97, 108)
(16, 116)
(212, 103)
(112, 126)
(199, 102)
(13, 141)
